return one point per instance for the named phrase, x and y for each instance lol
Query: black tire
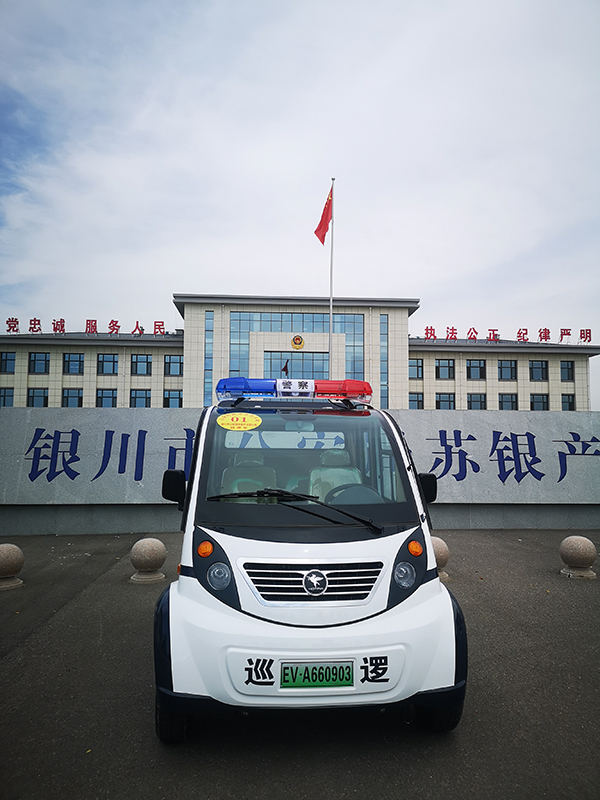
(171, 728)
(439, 719)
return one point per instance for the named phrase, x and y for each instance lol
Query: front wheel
(440, 719)
(171, 728)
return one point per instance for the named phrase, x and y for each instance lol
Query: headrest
(335, 458)
(248, 458)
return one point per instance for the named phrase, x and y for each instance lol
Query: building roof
(180, 300)
(86, 339)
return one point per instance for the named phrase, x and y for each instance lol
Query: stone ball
(11, 560)
(578, 551)
(442, 554)
(148, 555)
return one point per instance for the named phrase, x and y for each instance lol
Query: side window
(389, 478)
(381, 469)
(366, 468)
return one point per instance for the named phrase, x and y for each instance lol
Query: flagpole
(331, 289)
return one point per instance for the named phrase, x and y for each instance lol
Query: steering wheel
(357, 493)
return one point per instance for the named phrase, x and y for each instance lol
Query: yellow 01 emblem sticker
(239, 421)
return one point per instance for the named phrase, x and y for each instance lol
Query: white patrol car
(307, 576)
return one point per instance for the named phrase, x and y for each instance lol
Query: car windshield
(291, 474)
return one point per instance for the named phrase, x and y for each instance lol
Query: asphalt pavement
(77, 691)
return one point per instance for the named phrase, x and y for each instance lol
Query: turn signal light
(205, 549)
(415, 548)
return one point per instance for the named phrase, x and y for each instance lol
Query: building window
(172, 399)
(476, 402)
(415, 399)
(242, 323)
(139, 398)
(312, 366)
(282, 322)
(108, 363)
(475, 370)
(352, 326)
(141, 364)
(538, 402)
(567, 371)
(37, 398)
(7, 397)
(72, 398)
(508, 402)
(72, 363)
(445, 401)
(39, 363)
(383, 361)
(538, 371)
(106, 398)
(173, 365)
(444, 369)
(209, 326)
(7, 363)
(507, 370)
(568, 402)
(415, 368)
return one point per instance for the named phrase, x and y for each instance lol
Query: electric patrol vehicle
(308, 577)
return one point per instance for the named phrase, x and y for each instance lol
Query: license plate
(315, 674)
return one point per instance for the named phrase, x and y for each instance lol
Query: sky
(154, 147)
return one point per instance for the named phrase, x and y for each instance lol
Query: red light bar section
(348, 388)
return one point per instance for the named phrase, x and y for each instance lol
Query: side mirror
(428, 483)
(173, 486)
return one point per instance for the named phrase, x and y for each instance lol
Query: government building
(275, 337)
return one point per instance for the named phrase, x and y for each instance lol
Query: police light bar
(262, 389)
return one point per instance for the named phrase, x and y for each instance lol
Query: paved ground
(76, 700)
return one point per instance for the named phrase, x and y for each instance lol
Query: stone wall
(100, 470)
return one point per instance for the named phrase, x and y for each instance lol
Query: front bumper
(209, 653)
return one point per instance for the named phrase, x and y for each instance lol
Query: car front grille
(287, 583)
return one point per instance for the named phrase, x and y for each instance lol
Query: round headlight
(404, 574)
(219, 575)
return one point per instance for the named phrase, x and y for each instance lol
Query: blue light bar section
(245, 387)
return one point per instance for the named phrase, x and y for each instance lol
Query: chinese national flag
(323, 226)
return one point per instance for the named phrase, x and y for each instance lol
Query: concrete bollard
(11, 563)
(148, 556)
(442, 554)
(578, 553)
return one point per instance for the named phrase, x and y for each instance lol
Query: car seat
(334, 471)
(248, 474)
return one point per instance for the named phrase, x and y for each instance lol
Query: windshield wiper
(284, 495)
